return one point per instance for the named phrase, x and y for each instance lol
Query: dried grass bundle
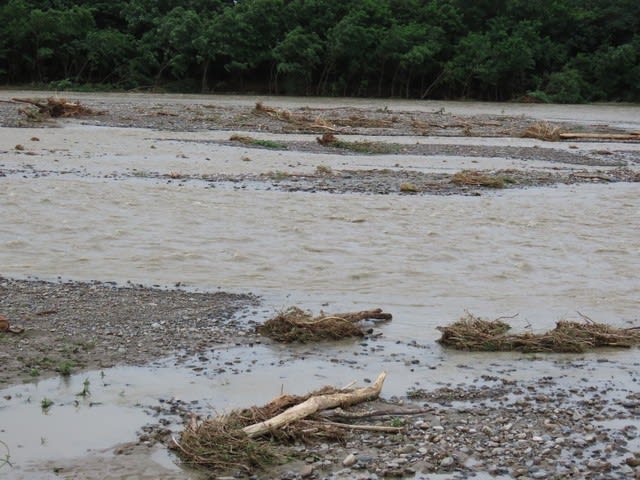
(220, 444)
(475, 334)
(478, 179)
(543, 131)
(296, 325)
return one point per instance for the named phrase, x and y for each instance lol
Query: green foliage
(46, 404)
(567, 86)
(85, 392)
(257, 142)
(65, 367)
(562, 50)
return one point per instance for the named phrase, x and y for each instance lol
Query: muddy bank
(71, 327)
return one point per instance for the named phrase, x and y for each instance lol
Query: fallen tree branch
(387, 412)
(593, 176)
(368, 428)
(316, 404)
(376, 314)
(599, 136)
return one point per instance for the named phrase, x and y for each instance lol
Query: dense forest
(548, 50)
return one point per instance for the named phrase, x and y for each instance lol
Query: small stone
(539, 474)
(306, 471)
(447, 462)
(407, 449)
(633, 462)
(349, 460)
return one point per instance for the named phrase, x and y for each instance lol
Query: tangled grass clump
(543, 131)
(219, 444)
(330, 140)
(478, 179)
(256, 142)
(296, 325)
(475, 334)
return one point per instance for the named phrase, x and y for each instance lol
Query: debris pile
(296, 325)
(245, 439)
(543, 131)
(478, 179)
(475, 334)
(6, 326)
(302, 122)
(53, 107)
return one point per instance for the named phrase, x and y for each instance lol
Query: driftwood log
(375, 314)
(316, 404)
(600, 136)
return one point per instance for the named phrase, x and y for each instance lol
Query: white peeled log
(316, 404)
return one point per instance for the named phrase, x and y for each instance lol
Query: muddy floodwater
(85, 201)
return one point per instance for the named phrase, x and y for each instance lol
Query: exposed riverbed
(178, 212)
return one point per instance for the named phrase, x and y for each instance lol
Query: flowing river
(542, 253)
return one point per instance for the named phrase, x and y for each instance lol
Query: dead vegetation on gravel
(472, 333)
(476, 178)
(246, 439)
(543, 131)
(330, 140)
(53, 107)
(296, 325)
(257, 142)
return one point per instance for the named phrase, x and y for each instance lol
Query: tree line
(549, 50)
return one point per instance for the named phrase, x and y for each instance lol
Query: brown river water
(542, 253)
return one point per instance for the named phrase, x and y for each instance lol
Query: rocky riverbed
(495, 425)
(461, 415)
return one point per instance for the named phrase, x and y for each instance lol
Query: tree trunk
(204, 88)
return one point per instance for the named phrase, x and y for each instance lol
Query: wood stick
(600, 136)
(376, 314)
(316, 404)
(370, 428)
(591, 175)
(391, 412)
